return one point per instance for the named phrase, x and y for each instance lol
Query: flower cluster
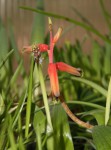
(37, 49)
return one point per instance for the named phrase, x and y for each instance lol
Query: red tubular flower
(67, 68)
(54, 67)
(52, 72)
(35, 48)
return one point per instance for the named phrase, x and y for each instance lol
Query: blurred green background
(22, 21)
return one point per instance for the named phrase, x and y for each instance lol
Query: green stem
(72, 116)
(51, 49)
(45, 97)
(29, 100)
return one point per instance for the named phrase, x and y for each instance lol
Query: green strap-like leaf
(90, 83)
(29, 100)
(62, 135)
(108, 103)
(102, 137)
(5, 58)
(38, 29)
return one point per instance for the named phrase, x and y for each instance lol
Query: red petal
(66, 68)
(43, 47)
(52, 71)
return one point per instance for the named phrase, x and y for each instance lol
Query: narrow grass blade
(2, 105)
(77, 102)
(102, 137)
(14, 77)
(29, 99)
(96, 59)
(62, 135)
(107, 59)
(87, 104)
(5, 58)
(98, 114)
(11, 135)
(108, 103)
(38, 29)
(105, 14)
(16, 74)
(39, 124)
(20, 141)
(89, 142)
(3, 41)
(81, 24)
(84, 19)
(19, 108)
(38, 137)
(13, 42)
(50, 128)
(38, 134)
(3, 133)
(90, 83)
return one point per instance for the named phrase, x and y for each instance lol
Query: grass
(28, 116)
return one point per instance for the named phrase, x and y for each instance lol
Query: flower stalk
(73, 117)
(50, 52)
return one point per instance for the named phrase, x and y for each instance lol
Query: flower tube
(52, 72)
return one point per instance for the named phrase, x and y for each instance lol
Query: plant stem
(29, 100)
(73, 117)
(45, 97)
(51, 43)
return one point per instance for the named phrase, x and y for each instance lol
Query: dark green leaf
(62, 135)
(102, 137)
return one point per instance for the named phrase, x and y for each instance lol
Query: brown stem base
(73, 117)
